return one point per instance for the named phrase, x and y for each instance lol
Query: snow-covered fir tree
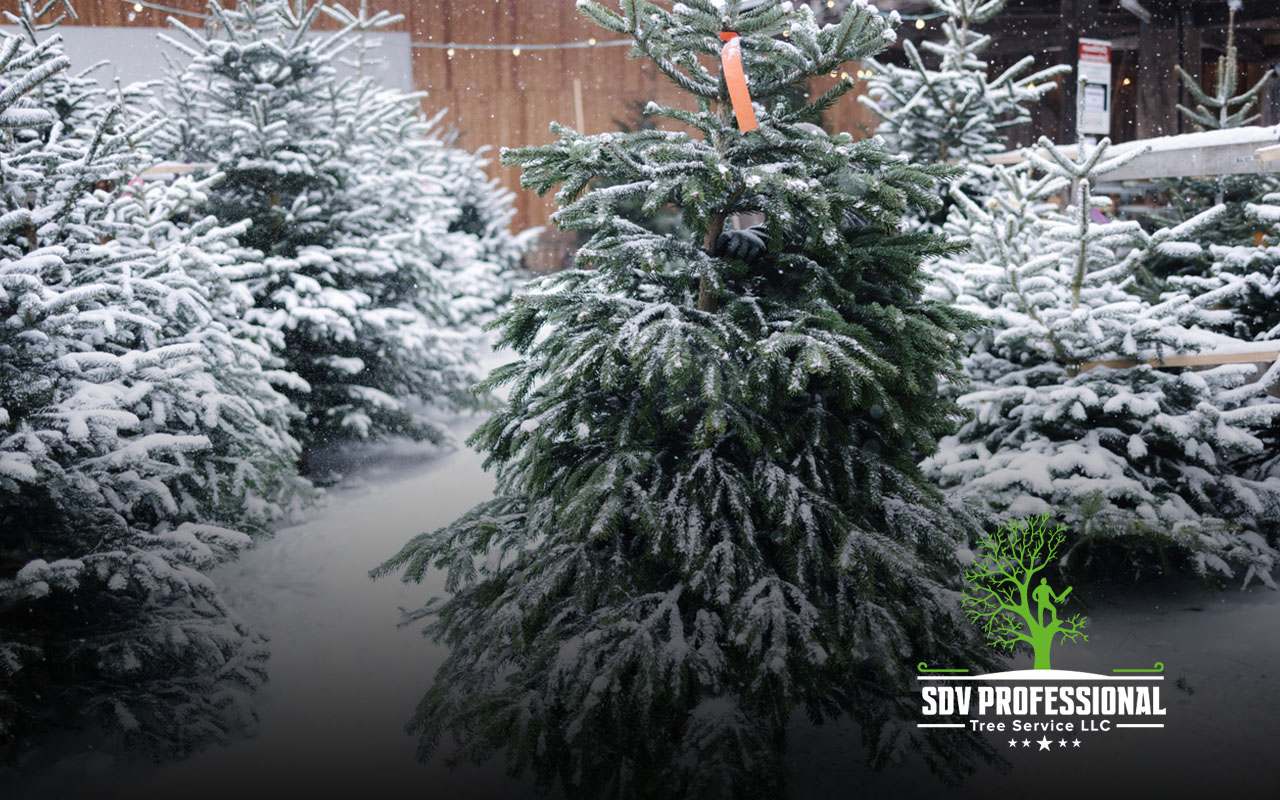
(1240, 291)
(708, 511)
(1237, 273)
(1239, 294)
(141, 435)
(484, 264)
(329, 170)
(480, 259)
(1225, 108)
(1134, 458)
(955, 111)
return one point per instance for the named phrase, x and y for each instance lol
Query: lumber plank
(1262, 353)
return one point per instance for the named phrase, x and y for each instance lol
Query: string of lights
(139, 5)
(515, 48)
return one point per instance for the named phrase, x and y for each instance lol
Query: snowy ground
(344, 678)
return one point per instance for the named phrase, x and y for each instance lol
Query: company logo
(1008, 599)
(1019, 611)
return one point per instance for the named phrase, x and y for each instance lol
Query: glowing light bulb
(515, 51)
(919, 24)
(450, 52)
(137, 7)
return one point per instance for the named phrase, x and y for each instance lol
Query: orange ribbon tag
(735, 76)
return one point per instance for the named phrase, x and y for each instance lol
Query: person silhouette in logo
(1045, 598)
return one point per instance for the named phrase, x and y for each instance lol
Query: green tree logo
(1005, 598)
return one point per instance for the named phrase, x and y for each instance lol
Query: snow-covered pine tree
(708, 510)
(1237, 274)
(137, 421)
(248, 477)
(477, 259)
(1132, 457)
(1239, 294)
(419, 350)
(1224, 109)
(309, 157)
(955, 112)
(489, 258)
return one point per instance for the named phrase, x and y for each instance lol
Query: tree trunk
(1042, 656)
(1041, 645)
(706, 301)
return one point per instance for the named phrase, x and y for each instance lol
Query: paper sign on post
(1093, 88)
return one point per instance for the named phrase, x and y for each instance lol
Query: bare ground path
(343, 677)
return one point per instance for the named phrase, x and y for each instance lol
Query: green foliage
(708, 512)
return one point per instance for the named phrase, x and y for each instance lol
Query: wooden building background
(500, 98)
(1149, 39)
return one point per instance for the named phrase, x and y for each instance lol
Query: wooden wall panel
(116, 13)
(498, 99)
(848, 115)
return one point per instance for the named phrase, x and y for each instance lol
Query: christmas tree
(1224, 109)
(1237, 275)
(485, 262)
(331, 173)
(477, 259)
(708, 511)
(955, 112)
(1240, 290)
(1132, 457)
(1239, 295)
(141, 436)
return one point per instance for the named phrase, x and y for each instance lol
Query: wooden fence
(501, 99)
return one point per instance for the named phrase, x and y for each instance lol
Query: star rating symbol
(1045, 743)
